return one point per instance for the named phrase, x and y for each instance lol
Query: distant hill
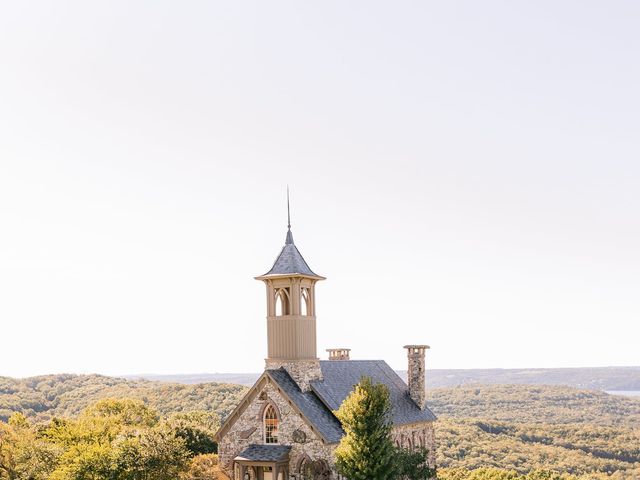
(600, 378)
(47, 396)
(535, 404)
(247, 379)
(597, 378)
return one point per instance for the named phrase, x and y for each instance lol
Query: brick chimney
(415, 373)
(338, 353)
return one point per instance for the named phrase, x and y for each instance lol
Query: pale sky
(465, 174)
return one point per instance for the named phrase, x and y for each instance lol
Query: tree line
(114, 439)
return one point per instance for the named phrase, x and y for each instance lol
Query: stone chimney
(338, 353)
(415, 373)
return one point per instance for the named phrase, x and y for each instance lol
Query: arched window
(306, 301)
(270, 425)
(306, 469)
(410, 444)
(282, 302)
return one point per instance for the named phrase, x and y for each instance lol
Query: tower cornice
(274, 276)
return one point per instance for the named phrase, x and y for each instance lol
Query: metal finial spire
(288, 210)
(289, 240)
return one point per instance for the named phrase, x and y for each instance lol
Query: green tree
(203, 467)
(124, 412)
(155, 454)
(116, 440)
(23, 454)
(413, 465)
(8, 452)
(366, 452)
(197, 430)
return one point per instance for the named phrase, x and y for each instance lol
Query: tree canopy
(111, 440)
(366, 452)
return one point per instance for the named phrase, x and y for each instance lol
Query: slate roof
(290, 261)
(264, 453)
(310, 405)
(340, 376)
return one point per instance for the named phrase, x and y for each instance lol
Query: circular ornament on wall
(299, 436)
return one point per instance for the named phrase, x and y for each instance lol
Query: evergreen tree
(413, 465)
(366, 452)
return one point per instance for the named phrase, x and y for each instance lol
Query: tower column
(295, 296)
(271, 303)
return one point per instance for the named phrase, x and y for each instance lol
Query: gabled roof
(290, 261)
(310, 405)
(307, 404)
(264, 453)
(317, 406)
(340, 376)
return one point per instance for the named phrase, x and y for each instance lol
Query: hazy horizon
(466, 175)
(257, 372)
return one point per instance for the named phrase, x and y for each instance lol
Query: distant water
(626, 393)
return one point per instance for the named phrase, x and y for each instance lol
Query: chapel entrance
(263, 462)
(252, 471)
(268, 474)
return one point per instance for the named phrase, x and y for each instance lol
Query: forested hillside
(526, 428)
(484, 432)
(45, 397)
(535, 404)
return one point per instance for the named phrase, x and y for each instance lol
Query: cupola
(291, 305)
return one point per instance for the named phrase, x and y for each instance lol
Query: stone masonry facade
(248, 429)
(302, 371)
(414, 437)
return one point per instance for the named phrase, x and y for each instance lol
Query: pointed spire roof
(290, 260)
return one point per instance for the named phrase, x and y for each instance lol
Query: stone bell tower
(291, 315)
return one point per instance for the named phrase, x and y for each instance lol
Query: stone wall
(417, 435)
(302, 371)
(248, 429)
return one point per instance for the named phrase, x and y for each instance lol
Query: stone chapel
(284, 428)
